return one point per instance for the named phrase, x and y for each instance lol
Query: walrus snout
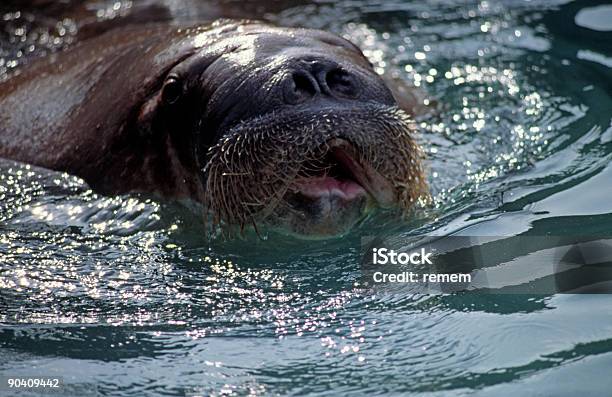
(314, 172)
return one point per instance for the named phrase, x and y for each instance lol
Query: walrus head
(291, 128)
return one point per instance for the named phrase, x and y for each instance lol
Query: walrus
(285, 127)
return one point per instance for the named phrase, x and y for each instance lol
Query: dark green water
(123, 296)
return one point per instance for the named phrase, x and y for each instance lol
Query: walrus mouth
(340, 174)
(313, 172)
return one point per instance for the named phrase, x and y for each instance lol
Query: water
(123, 296)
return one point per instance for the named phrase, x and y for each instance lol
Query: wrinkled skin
(262, 125)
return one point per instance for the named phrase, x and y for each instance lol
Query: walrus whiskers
(243, 189)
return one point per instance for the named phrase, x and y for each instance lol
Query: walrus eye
(172, 90)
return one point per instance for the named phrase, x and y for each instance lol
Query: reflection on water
(126, 294)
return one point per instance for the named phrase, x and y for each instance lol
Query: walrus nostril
(341, 82)
(300, 88)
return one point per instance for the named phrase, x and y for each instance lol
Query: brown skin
(158, 109)
(77, 111)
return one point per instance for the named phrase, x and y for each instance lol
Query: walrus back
(68, 111)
